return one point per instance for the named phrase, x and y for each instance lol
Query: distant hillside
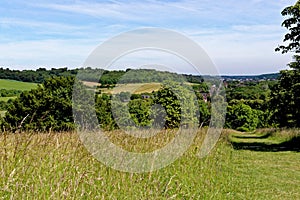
(116, 76)
(93, 75)
(253, 77)
(16, 85)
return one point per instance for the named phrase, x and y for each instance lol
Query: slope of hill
(16, 85)
(253, 77)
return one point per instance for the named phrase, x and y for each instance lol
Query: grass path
(267, 141)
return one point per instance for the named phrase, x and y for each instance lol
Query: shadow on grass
(254, 136)
(291, 145)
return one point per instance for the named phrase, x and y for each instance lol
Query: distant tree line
(107, 77)
(35, 76)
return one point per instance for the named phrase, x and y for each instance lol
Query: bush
(49, 107)
(242, 117)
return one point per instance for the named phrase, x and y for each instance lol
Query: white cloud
(240, 36)
(49, 53)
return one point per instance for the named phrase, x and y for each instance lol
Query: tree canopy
(285, 97)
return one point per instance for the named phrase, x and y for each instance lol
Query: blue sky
(239, 36)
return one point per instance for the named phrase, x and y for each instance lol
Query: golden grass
(57, 166)
(135, 88)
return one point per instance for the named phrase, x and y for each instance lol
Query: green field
(57, 166)
(16, 85)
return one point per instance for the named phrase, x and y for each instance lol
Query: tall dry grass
(57, 166)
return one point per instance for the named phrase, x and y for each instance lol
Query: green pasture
(16, 85)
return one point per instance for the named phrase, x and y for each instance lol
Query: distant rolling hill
(16, 85)
(253, 77)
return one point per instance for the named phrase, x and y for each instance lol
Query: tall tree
(286, 94)
(180, 104)
(49, 107)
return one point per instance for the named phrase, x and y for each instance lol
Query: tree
(104, 114)
(49, 107)
(242, 117)
(140, 111)
(180, 104)
(293, 25)
(285, 95)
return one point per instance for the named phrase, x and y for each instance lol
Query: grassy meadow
(16, 85)
(57, 166)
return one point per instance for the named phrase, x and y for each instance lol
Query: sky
(238, 36)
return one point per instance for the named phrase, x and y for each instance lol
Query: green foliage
(242, 117)
(4, 105)
(292, 23)
(204, 112)
(108, 78)
(262, 108)
(202, 87)
(248, 91)
(9, 93)
(285, 95)
(179, 103)
(285, 99)
(49, 107)
(104, 114)
(140, 111)
(38, 76)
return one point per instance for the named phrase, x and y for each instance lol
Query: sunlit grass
(16, 85)
(57, 166)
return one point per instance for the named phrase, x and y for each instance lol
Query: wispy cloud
(153, 11)
(240, 36)
(51, 53)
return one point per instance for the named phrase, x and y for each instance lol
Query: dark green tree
(285, 95)
(180, 104)
(49, 107)
(140, 111)
(104, 114)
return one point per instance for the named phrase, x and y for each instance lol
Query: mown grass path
(267, 141)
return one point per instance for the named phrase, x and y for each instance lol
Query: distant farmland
(16, 85)
(137, 88)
